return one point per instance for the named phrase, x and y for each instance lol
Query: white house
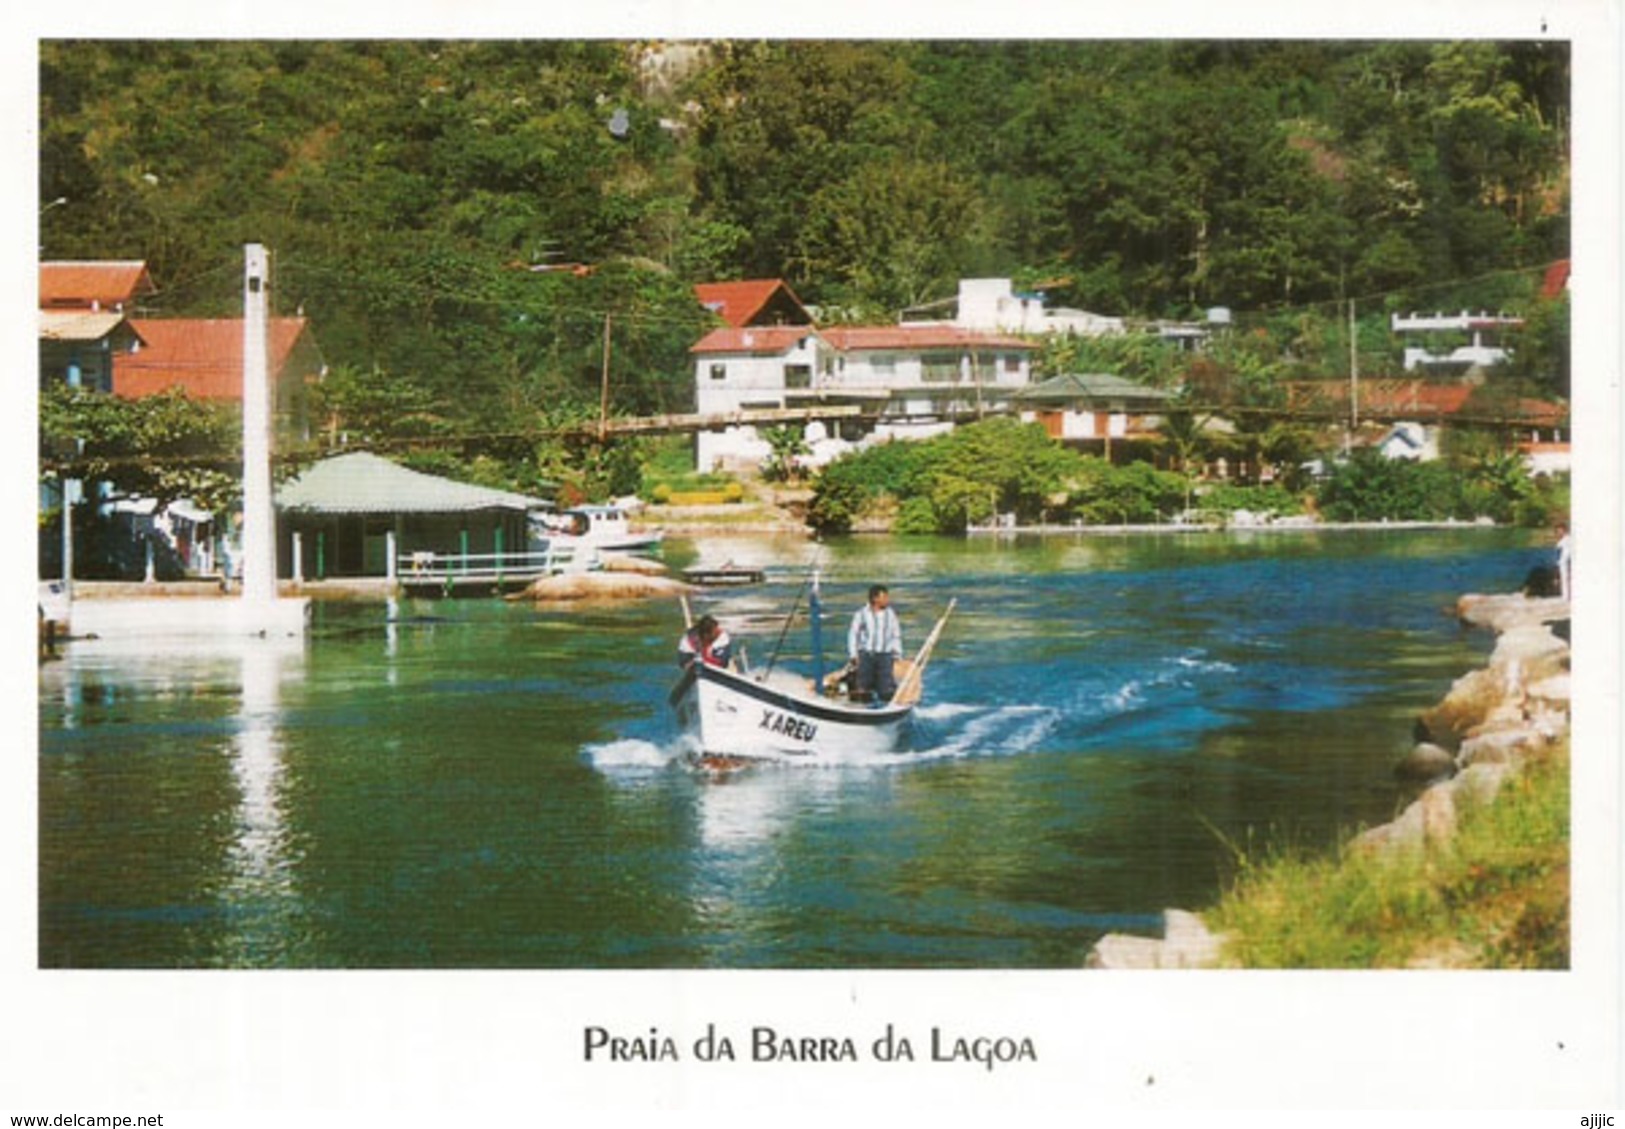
(1481, 328)
(750, 368)
(1408, 439)
(910, 381)
(993, 305)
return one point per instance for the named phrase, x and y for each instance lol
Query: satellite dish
(620, 123)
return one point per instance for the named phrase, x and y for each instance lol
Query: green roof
(1074, 386)
(363, 483)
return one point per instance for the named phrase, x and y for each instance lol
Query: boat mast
(815, 609)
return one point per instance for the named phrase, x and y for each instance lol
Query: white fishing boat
(735, 716)
(605, 529)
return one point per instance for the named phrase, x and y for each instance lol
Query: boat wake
(945, 731)
(632, 755)
(950, 730)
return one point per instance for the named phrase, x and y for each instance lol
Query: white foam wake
(632, 753)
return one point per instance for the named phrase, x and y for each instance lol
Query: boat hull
(731, 715)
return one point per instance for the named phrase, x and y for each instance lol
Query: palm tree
(1185, 431)
(787, 445)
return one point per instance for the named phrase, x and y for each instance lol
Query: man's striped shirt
(876, 631)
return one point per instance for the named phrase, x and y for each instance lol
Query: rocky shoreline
(1490, 722)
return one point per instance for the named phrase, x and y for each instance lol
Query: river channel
(484, 784)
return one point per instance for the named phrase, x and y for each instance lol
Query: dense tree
(460, 219)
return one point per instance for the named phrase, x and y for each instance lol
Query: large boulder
(1471, 700)
(1501, 746)
(583, 586)
(1186, 943)
(1479, 783)
(1501, 612)
(1430, 818)
(1426, 761)
(1529, 653)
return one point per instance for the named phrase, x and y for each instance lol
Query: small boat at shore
(602, 528)
(736, 717)
(728, 575)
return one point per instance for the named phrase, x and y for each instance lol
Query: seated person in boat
(705, 641)
(873, 644)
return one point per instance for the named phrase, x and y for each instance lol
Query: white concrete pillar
(259, 512)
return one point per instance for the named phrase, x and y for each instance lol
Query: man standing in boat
(705, 641)
(874, 644)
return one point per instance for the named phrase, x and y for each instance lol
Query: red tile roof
(1557, 279)
(753, 339)
(202, 356)
(1381, 397)
(1386, 397)
(1543, 413)
(853, 338)
(1416, 399)
(82, 285)
(738, 303)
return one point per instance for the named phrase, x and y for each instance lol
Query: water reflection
(486, 784)
(739, 813)
(260, 889)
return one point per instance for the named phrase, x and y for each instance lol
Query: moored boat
(604, 528)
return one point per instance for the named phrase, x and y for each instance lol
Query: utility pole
(603, 390)
(1354, 369)
(1354, 379)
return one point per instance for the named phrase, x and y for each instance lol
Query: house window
(940, 368)
(798, 376)
(719, 372)
(884, 364)
(1012, 364)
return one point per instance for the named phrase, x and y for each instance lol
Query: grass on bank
(1495, 896)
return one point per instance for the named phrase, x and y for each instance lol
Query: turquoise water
(476, 783)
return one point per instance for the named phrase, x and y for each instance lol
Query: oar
(909, 690)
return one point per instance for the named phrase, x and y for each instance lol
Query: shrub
(917, 515)
(1369, 487)
(1104, 494)
(1225, 498)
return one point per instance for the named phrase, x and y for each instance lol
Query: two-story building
(84, 327)
(84, 319)
(928, 374)
(1453, 344)
(905, 381)
(1094, 409)
(92, 336)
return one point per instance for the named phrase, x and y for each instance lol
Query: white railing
(427, 567)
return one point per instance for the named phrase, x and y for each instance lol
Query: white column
(259, 515)
(298, 557)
